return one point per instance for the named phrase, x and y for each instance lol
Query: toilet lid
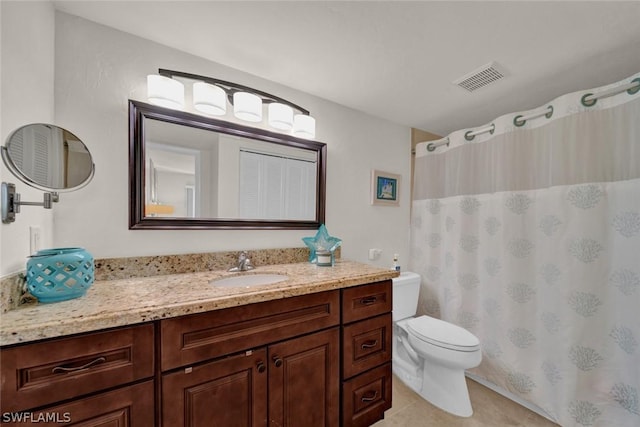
(443, 334)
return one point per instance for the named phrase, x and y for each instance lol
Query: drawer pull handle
(277, 361)
(369, 344)
(369, 396)
(369, 300)
(260, 366)
(60, 369)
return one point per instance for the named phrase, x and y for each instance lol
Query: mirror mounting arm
(11, 202)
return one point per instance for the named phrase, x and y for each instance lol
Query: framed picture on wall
(385, 188)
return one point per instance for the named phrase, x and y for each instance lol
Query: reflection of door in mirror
(277, 185)
(176, 163)
(266, 181)
(171, 171)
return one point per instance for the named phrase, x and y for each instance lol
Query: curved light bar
(165, 91)
(209, 99)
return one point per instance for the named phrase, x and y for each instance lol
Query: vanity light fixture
(210, 96)
(165, 91)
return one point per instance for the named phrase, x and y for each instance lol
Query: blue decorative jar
(60, 274)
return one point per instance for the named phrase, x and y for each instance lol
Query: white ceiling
(397, 60)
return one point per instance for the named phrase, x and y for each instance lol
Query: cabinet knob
(261, 367)
(277, 361)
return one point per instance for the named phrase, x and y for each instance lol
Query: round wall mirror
(48, 157)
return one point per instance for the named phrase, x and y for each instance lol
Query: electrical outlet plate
(374, 254)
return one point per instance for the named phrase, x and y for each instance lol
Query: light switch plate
(35, 239)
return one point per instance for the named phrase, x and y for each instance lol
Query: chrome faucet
(244, 263)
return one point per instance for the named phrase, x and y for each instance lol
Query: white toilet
(430, 355)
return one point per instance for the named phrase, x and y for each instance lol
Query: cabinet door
(230, 392)
(304, 381)
(124, 407)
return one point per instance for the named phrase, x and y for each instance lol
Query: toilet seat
(443, 334)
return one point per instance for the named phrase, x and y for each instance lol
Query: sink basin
(246, 280)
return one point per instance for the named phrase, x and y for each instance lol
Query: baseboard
(534, 408)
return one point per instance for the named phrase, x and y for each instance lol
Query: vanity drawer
(191, 339)
(365, 301)
(366, 344)
(47, 372)
(123, 407)
(366, 397)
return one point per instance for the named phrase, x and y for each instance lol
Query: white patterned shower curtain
(528, 235)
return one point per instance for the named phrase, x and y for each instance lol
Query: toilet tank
(406, 289)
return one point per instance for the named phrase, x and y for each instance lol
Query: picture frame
(385, 188)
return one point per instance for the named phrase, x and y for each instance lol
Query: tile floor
(490, 409)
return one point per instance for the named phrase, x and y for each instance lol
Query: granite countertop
(112, 303)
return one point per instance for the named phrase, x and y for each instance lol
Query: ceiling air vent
(483, 76)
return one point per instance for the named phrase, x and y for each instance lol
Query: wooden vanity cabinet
(316, 360)
(286, 371)
(366, 353)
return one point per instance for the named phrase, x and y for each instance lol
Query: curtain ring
(468, 136)
(550, 112)
(518, 122)
(634, 90)
(587, 103)
(431, 147)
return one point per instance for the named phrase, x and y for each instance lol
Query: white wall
(97, 69)
(26, 86)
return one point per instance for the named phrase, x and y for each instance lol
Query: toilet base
(447, 389)
(442, 385)
(408, 375)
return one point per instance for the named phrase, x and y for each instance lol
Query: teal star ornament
(321, 242)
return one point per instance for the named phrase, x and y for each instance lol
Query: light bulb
(209, 99)
(304, 126)
(165, 91)
(247, 106)
(280, 116)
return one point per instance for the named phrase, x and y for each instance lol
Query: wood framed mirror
(188, 171)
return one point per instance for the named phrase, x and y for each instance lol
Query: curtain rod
(631, 88)
(521, 120)
(588, 100)
(469, 135)
(433, 145)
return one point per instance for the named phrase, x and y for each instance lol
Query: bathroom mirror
(48, 157)
(188, 171)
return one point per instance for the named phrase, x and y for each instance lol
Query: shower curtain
(526, 232)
